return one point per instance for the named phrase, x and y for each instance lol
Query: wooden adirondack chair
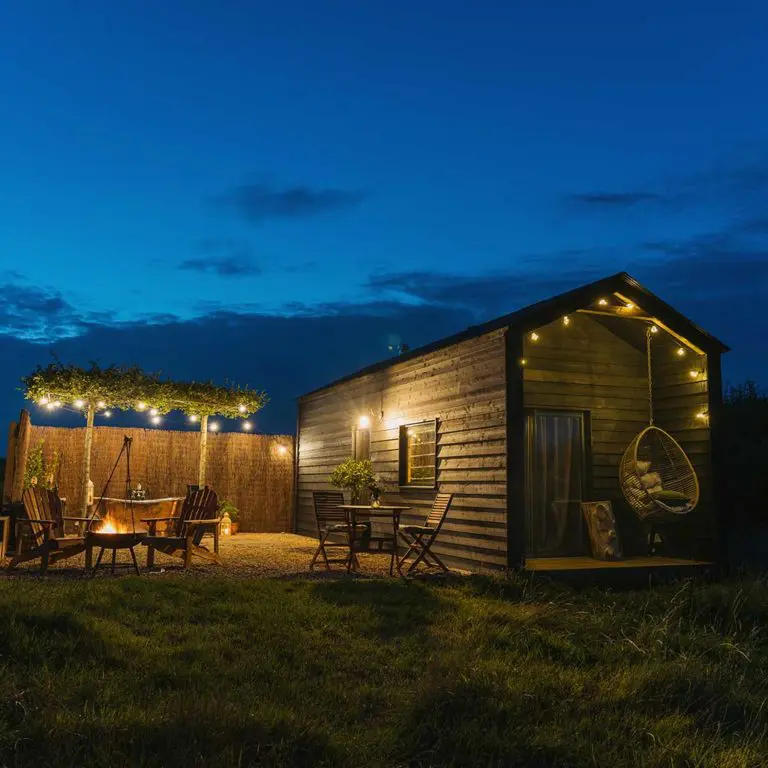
(40, 533)
(198, 516)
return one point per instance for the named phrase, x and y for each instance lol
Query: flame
(110, 525)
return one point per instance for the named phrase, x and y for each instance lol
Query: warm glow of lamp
(43, 401)
(680, 351)
(57, 404)
(153, 411)
(566, 320)
(693, 374)
(107, 413)
(214, 426)
(156, 419)
(603, 302)
(629, 305)
(241, 408)
(364, 422)
(534, 336)
(141, 406)
(282, 450)
(247, 426)
(654, 329)
(78, 403)
(702, 415)
(193, 418)
(50, 406)
(523, 361)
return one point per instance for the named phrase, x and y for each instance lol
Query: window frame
(403, 455)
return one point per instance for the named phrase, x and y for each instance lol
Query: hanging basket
(657, 478)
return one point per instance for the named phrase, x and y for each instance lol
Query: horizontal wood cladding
(463, 387)
(582, 366)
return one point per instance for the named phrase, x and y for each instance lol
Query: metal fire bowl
(114, 540)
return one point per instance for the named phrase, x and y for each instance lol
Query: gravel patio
(245, 555)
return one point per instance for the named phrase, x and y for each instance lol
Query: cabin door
(555, 483)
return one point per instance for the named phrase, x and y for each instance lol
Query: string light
(57, 404)
(680, 351)
(247, 426)
(566, 320)
(364, 422)
(43, 401)
(156, 419)
(78, 403)
(654, 329)
(534, 336)
(153, 411)
(241, 408)
(107, 413)
(101, 404)
(193, 418)
(629, 305)
(693, 374)
(50, 406)
(282, 450)
(603, 302)
(702, 415)
(523, 361)
(141, 406)
(214, 426)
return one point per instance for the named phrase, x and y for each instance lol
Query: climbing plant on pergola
(95, 389)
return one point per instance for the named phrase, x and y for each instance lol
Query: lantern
(226, 524)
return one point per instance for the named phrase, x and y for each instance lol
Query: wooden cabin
(523, 418)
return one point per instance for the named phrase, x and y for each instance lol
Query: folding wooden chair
(331, 520)
(419, 538)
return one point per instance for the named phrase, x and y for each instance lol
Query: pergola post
(203, 449)
(87, 457)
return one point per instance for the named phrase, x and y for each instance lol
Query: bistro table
(388, 511)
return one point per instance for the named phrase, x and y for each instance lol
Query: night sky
(273, 193)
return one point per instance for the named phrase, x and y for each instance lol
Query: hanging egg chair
(656, 476)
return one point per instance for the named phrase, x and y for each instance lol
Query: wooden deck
(590, 564)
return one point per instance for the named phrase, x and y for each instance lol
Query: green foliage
(381, 672)
(228, 508)
(354, 475)
(125, 387)
(38, 471)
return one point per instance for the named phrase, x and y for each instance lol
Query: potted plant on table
(358, 478)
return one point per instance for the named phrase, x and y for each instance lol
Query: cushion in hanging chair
(671, 498)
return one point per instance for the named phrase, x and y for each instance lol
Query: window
(418, 454)
(361, 443)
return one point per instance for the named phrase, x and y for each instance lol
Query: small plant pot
(234, 528)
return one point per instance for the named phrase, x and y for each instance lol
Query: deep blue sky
(271, 193)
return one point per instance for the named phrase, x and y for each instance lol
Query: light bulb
(50, 406)
(247, 426)
(693, 374)
(566, 320)
(156, 419)
(213, 426)
(57, 404)
(107, 413)
(241, 408)
(141, 406)
(43, 401)
(153, 411)
(701, 415)
(629, 305)
(523, 361)
(364, 422)
(680, 351)
(654, 329)
(534, 336)
(78, 403)
(603, 302)
(282, 450)
(193, 418)
(101, 404)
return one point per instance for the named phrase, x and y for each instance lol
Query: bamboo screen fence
(251, 471)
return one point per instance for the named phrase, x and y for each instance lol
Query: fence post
(10, 463)
(23, 434)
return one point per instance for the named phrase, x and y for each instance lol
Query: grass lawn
(197, 672)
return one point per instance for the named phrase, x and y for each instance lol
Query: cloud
(224, 257)
(258, 202)
(615, 199)
(38, 314)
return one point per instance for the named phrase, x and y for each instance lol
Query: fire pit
(108, 537)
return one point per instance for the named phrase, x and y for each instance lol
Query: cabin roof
(543, 312)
